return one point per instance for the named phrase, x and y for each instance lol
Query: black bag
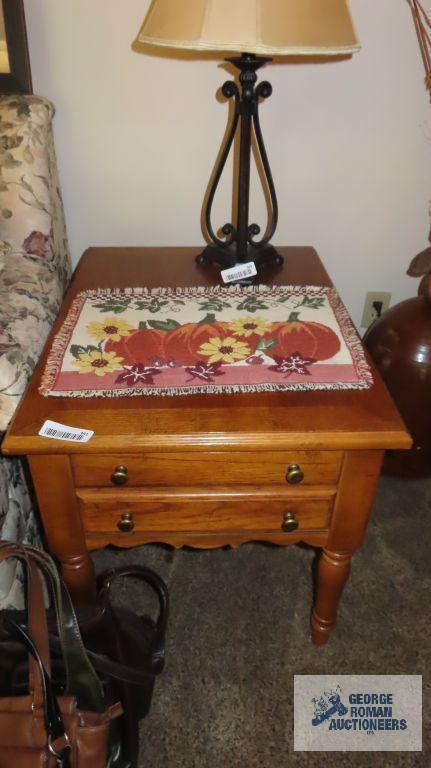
(127, 650)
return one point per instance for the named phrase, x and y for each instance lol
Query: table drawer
(214, 468)
(195, 510)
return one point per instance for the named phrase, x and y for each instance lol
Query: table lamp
(257, 30)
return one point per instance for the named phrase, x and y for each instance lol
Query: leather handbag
(126, 649)
(42, 728)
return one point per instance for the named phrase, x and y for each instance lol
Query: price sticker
(239, 272)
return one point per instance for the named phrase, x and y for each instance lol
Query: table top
(310, 420)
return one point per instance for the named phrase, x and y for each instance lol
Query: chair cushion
(31, 292)
(31, 209)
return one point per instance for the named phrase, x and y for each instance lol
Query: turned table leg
(352, 509)
(53, 482)
(332, 574)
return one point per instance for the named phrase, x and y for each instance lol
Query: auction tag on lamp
(61, 432)
(239, 272)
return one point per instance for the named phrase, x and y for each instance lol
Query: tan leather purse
(41, 729)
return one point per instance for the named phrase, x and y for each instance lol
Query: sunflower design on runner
(98, 362)
(228, 350)
(247, 326)
(111, 328)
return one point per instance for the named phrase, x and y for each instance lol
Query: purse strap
(36, 605)
(116, 669)
(36, 618)
(105, 582)
(58, 742)
(82, 680)
(107, 666)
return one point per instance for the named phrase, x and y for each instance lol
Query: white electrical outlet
(376, 302)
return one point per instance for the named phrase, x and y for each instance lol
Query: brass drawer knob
(290, 522)
(126, 522)
(295, 474)
(119, 475)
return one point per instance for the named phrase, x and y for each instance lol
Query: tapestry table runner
(180, 341)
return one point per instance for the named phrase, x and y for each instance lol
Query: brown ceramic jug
(400, 345)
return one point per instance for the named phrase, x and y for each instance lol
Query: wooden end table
(206, 470)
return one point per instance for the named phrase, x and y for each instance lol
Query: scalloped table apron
(179, 341)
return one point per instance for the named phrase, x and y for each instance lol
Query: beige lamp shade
(273, 27)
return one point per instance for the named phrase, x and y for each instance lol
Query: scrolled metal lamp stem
(240, 246)
(229, 90)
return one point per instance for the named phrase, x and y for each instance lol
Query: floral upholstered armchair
(34, 271)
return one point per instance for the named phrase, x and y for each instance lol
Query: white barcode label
(240, 272)
(62, 432)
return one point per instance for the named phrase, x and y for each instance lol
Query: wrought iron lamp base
(240, 244)
(226, 256)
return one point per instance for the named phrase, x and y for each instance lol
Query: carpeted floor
(238, 633)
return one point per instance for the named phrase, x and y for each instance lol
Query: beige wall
(137, 135)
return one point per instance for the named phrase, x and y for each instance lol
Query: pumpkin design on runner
(185, 342)
(180, 341)
(140, 346)
(310, 339)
